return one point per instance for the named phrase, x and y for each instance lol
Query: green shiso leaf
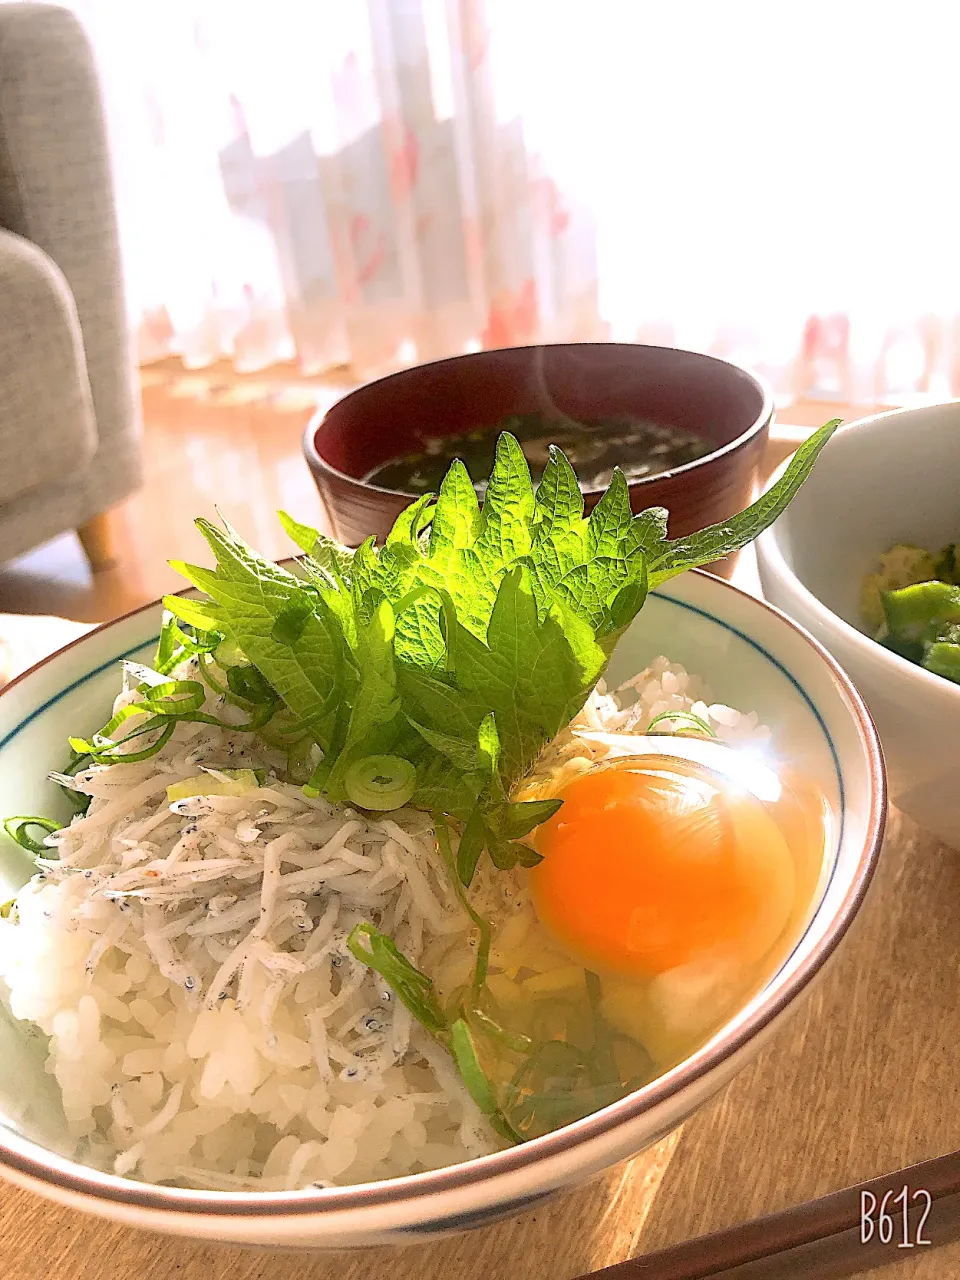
(470, 638)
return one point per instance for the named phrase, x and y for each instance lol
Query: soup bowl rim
(319, 464)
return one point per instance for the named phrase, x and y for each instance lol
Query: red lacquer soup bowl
(397, 415)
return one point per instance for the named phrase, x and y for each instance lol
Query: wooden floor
(211, 440)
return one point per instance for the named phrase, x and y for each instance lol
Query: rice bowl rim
(69, 1176)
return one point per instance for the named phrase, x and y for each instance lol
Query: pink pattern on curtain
(379, 182)
(418, 228)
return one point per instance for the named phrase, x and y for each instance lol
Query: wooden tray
(861, 1082)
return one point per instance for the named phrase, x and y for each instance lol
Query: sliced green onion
(173, 697)
(132, 757)
(177, 645)
(414, 989)
(106, 752)
(473, 839)
(96, 746)
(537, 1113)
(167, 645)
(483, 925)
(206, 662)
(516, 1041)
(468, 1064)
(556, 1018)
(256, 721)
(602, 1046)
(500, 1124)
(169, 699)
(244, 684)
(18, 829)
(167, 703)
(317, 780)
(78, 760)
(380, 782)
(235, 782)
(681, 715)
(548, 1089)
(416, 992)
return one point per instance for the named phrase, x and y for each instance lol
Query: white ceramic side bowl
(752, 657)
(890, 478)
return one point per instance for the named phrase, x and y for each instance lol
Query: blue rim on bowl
(33, 1162)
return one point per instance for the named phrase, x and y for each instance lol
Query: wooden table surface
(859, 1083)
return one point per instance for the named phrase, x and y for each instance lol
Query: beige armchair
(69, 414)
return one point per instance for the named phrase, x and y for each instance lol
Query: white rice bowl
(207, 1025)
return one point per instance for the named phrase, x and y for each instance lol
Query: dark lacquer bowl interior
(396, 415)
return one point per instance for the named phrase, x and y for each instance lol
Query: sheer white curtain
(375, 182)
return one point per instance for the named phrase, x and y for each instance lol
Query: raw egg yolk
(652, 863)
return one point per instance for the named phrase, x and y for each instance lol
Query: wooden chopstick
(842, 1234)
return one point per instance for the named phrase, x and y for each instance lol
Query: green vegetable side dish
(431, 672)
(911, 605)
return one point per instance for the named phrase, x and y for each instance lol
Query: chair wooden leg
(96, 538)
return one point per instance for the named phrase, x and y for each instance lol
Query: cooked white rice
(207, 1024)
